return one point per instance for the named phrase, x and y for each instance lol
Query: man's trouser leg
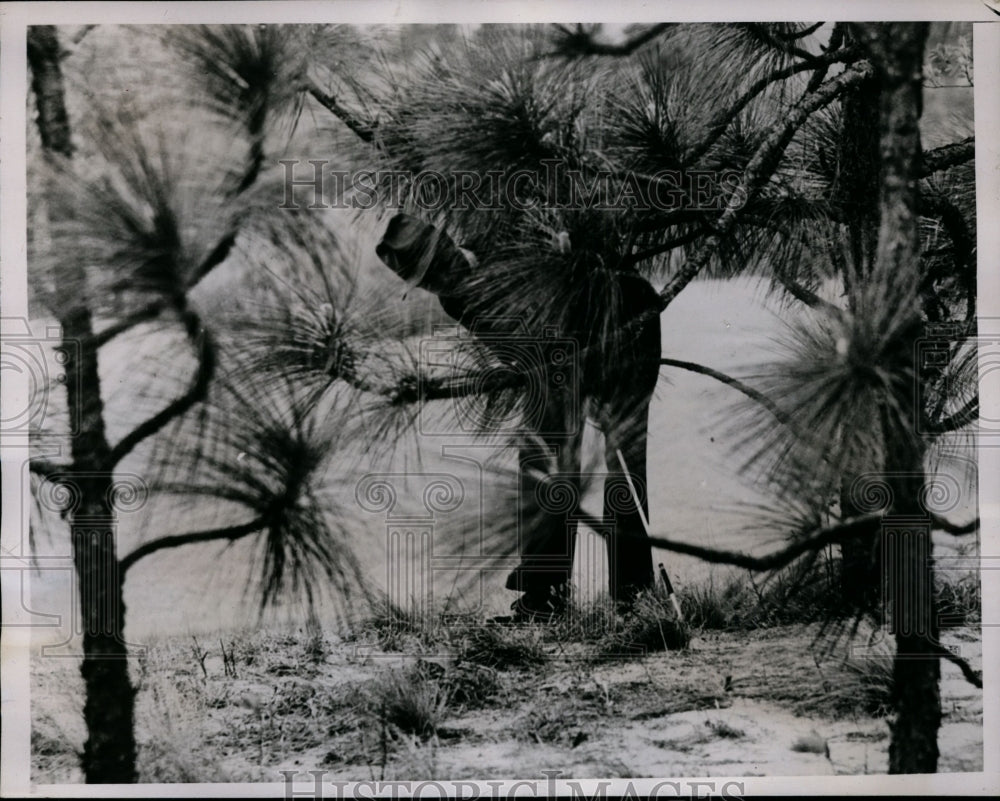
(547, 503)
(632, 376)
(630, 559)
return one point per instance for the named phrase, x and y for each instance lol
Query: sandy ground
(766, 703)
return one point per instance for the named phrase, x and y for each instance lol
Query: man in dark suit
(616, 377)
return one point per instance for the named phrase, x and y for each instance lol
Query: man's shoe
(536, 608)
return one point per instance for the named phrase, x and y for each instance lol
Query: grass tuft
(409, 700)
(501, 647)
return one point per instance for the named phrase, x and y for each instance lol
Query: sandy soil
(766, 703)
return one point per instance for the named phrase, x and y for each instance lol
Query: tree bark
(109, 752)
(897, 52)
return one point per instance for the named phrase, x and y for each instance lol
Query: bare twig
(195, 393)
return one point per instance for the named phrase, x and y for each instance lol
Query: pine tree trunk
(897, 53)
(857, 196)
(917, 670)
(109, 753)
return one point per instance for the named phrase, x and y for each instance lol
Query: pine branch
(802, 34)
(941, 158)
(954, 224)
(807, 541)
(954, 529)
(407, 390)
(782, 42)
(81, 34)
(229, 533)
(807, 296)
(364, 131)
(750, 392)
(658, 250)
(218, 255)
(969, 413)
(836, 40)
(679, 216)
(579, 42)
(761, 167)
(862, 526)
(974, 677)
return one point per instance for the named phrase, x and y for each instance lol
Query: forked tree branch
(725, 118)
(760, 169)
